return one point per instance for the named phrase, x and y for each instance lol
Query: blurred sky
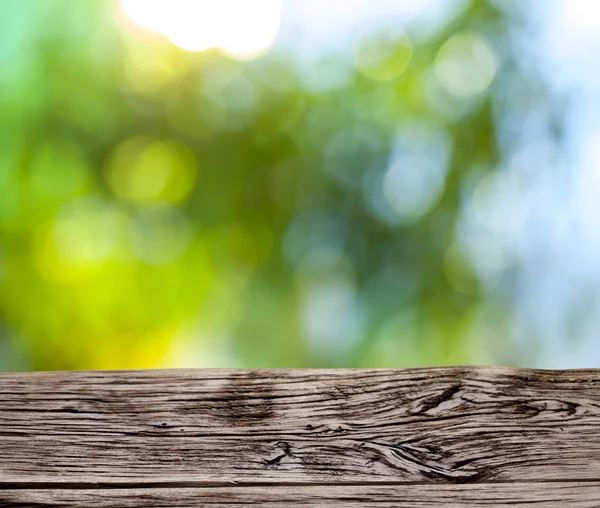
(563, 271)
(560, 245)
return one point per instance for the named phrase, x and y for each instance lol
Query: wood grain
(299, 430)
(561, 495)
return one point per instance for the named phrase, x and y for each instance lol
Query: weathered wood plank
(212, 427)
(540, 495)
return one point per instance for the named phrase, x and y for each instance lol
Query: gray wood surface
(199, 437)
(555, 495)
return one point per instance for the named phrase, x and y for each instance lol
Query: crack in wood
(437, 400)
(287, 452)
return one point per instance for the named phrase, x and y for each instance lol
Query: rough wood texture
(207, 436)
(555, 495)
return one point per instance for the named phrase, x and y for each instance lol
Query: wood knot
(543, 407)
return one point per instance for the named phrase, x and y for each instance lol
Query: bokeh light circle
(466, 65)
(382, 55)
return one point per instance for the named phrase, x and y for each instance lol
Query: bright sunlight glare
(240, 28)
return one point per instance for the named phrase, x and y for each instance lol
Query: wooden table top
(451, 437)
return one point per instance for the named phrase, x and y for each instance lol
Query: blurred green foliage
(166, 208)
